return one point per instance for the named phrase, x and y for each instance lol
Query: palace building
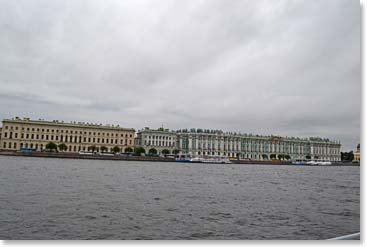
(160, 139)
(36, 134)
(198, 142)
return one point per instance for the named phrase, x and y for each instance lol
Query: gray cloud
(285, 67)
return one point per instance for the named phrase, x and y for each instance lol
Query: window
(27, 136)
(16, 135)
(6, 134)
(4, 145)
(32, 129)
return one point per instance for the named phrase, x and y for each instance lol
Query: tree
(51, 146)
(128, 150)
(308, 157)
(176, 151)
(280, 156)
(265, 157)
(103, 149)
(153, 151)
(139, 150)
(92, 148)
(116, 149)
(63, 147)
(347, 156)
(287, 157)
(273, 156)
(165, 151)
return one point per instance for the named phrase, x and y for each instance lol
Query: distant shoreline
(141, 158)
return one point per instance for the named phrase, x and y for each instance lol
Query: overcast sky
(289, 68)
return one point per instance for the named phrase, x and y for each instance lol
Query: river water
(47, 198)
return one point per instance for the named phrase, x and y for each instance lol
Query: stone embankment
(84, 156)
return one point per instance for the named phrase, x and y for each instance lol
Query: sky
(288, 68)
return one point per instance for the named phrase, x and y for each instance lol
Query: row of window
(160, 137)
(40, 147)
(75, 139)
(71, 132)
(72, 139)
(159, 143)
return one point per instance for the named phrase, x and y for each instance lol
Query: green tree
(308, 157)
(280, 156)
(273, 156)
(347, 156)
(153, 151)
(103, 149)
(63, 147)
(116, 149)
(128, 150)
(265, 157)
(287, 157)
(92, 148)
(51, 146)
(165, 151)
(176, 151)
(139, 150)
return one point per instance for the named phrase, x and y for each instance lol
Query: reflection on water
(44, 198)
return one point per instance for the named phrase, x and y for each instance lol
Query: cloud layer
(267, 67)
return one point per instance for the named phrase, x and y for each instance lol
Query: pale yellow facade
(357, 154)
(25, 133)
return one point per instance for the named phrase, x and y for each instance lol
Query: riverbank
(81, 156)
(143, 158)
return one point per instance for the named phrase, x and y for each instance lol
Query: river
(50, 198)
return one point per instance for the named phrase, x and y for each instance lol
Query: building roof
(71, 124)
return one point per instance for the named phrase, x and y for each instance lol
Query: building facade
(357, 154)
(26, 133)
(160, 139)
(198, 142)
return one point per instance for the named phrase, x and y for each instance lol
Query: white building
(160, 139)
(198, 142)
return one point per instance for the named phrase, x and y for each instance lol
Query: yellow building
(26, 133)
